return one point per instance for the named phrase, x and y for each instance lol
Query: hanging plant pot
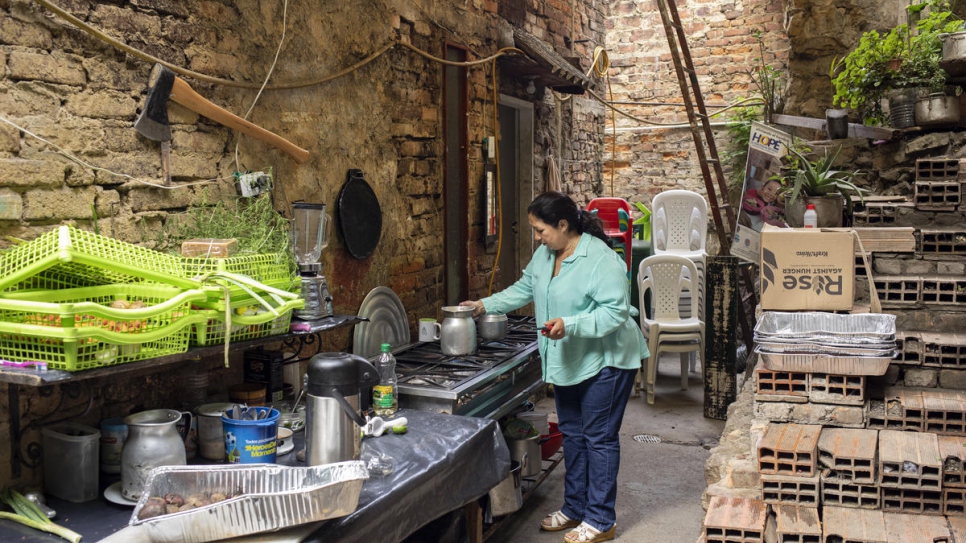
(828, 208)
(937, 110)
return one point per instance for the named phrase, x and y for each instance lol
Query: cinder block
(794, 524)
(937, 195)
(943, 290)
(916, 529)
(790, 490)
(881, 213)
(789, 449)
(954, 501)
(943, 242)
(841, 416)
(898, 291)
(836, 389)
(845, 493)
(920, 377)
(915, 501)
(734, 520)
(853, 525)
(943, 350)
(937, 169)
(849, 454)
(944, 411)
(780, 385)
(901, 409)
(952, 452)
(909, 345)
(909, 460)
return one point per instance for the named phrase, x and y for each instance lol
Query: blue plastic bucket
(251, 441)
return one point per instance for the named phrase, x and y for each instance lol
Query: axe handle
(183, 94)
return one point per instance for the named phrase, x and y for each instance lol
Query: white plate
(287, 446)
(388, 323)
(113, 495)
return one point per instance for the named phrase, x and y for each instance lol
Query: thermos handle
(353, 414)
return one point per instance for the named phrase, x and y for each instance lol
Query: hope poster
(761, 202)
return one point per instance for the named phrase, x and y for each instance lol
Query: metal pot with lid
(332, 417)
(492, 326)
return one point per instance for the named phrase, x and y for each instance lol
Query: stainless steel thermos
(333, 422)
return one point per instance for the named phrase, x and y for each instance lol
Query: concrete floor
(659, 485)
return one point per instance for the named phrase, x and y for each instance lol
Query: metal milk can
(153, 440)
(458, 332)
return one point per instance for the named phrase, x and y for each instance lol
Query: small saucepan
(491, 326)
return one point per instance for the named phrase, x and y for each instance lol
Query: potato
(218, 497)
(121, 304)
(154, 507)
(174, 499)
(138, 304)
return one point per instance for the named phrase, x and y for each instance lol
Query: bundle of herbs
(253, 222)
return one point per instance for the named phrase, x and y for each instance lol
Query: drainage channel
(704, 443)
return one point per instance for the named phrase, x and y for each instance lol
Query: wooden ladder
(714, 178)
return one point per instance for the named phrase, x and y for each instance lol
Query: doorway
(516, 181)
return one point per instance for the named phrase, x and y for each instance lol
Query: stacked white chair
(666, 277)
(679, 226)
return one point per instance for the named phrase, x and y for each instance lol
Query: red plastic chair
(616, 226)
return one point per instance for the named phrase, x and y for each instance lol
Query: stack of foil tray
(817, 342)
(264, 497)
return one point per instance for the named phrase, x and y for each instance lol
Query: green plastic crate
(211, 329)
(238, 298)
(269, 268)
(75, 329)
(80, 258)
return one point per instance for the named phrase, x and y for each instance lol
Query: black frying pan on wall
(359, 216)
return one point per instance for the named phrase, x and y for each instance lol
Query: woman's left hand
(553, 328)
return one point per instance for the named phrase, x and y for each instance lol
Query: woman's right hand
(478, 308)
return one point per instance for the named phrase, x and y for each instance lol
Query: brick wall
(82, 96)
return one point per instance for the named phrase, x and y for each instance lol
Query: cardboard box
(807, 269)
(209, 248)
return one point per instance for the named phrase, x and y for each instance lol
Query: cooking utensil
(491, 326)
(458, 332)
(360, 218)
(376, 426)
(387, 323)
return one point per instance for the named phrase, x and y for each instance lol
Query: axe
(153, 121)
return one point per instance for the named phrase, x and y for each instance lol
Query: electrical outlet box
(254, 183)
(489, 146)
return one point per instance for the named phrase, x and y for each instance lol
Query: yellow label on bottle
(382, 396)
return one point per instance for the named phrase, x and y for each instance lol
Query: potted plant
(808, 181)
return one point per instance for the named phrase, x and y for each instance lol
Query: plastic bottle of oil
(384, 398)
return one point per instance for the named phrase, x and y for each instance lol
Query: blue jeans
(589, 416)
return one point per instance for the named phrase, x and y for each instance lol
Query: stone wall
(66, 92)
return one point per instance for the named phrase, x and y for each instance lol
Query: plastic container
(113, 436)
(384, 400)
(71, 458)
(251, 441)
(250, 394)
(550, 443)
(810, 219)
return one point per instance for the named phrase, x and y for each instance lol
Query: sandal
(585, 533)
(557, 521)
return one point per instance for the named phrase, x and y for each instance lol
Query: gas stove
(488, 383)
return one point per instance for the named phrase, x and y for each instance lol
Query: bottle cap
(809, 206)
(385, 346)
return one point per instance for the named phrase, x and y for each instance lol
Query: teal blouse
(592, 296)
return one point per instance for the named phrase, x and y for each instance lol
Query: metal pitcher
(153, 440)
(458, 332)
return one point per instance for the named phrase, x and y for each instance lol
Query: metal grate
(645, 438)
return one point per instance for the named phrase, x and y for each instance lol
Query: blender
(310, 234)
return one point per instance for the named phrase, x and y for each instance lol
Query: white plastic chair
(679, 226)
(667, 276)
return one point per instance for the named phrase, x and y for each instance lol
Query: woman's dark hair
(552, 207)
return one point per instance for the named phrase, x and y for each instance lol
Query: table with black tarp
(441, 464)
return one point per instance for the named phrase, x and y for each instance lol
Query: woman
(590, 346)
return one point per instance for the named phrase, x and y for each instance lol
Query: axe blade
(152, 123)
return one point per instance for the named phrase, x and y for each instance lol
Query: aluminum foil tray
(266, 497)
(805, 347)
(816, 323)
(833, 365)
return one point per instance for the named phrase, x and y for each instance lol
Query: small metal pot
(492, 326)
